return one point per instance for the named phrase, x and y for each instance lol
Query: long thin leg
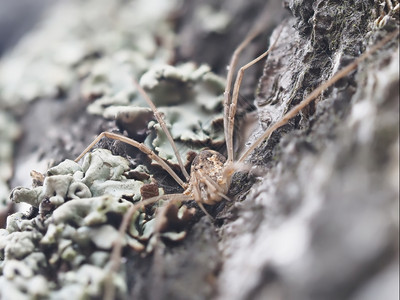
(197, 197)
(295, 110)
(261, 23)
(139, 146)
(213, 186)
(115, 259)
(163, 126)
(231, 69)
(235, 96)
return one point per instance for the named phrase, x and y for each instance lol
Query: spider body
(210, 177)
(211, 173)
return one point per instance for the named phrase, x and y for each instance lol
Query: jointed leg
(214, 187)
(259, 25)
(115, 259)
(197, 197)
(235, 96)
(256, 30)
(295, 110)
(139, 146)
(163, 126)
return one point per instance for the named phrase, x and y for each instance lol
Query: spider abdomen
(208, 182)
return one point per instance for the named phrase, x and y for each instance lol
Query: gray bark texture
(321, 220)
(317, 218)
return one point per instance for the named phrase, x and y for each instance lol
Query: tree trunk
(317, 216)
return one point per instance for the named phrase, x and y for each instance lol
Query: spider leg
(197, 198)
(231, 69)
(235, 96)
(389, 4)
(261, 23)
(296, 109)
(137, 145)
(204, 210)
(115, 259)
(163, 126)
(214, 186)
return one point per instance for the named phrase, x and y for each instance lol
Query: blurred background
(18, 18)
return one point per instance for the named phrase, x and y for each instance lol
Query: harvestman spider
(211, 172)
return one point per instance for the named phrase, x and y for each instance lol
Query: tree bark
(317, 217)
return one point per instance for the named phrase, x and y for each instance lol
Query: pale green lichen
(94, 42)
(73, 227)
(212, 20)
(190, 99)
(90, 211)
(196, 121)
(80, 285)
(9, 133)
(21, 281)
(100, 174)
(62, 51)
(81, 206)
(77, 229)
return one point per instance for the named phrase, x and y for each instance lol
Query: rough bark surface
(321, 220)
(323, 223)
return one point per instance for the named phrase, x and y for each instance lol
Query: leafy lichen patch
(94, 50)
(80, 209)
(188, 97)
(9, 133)
(194, 118)
(85, 45)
